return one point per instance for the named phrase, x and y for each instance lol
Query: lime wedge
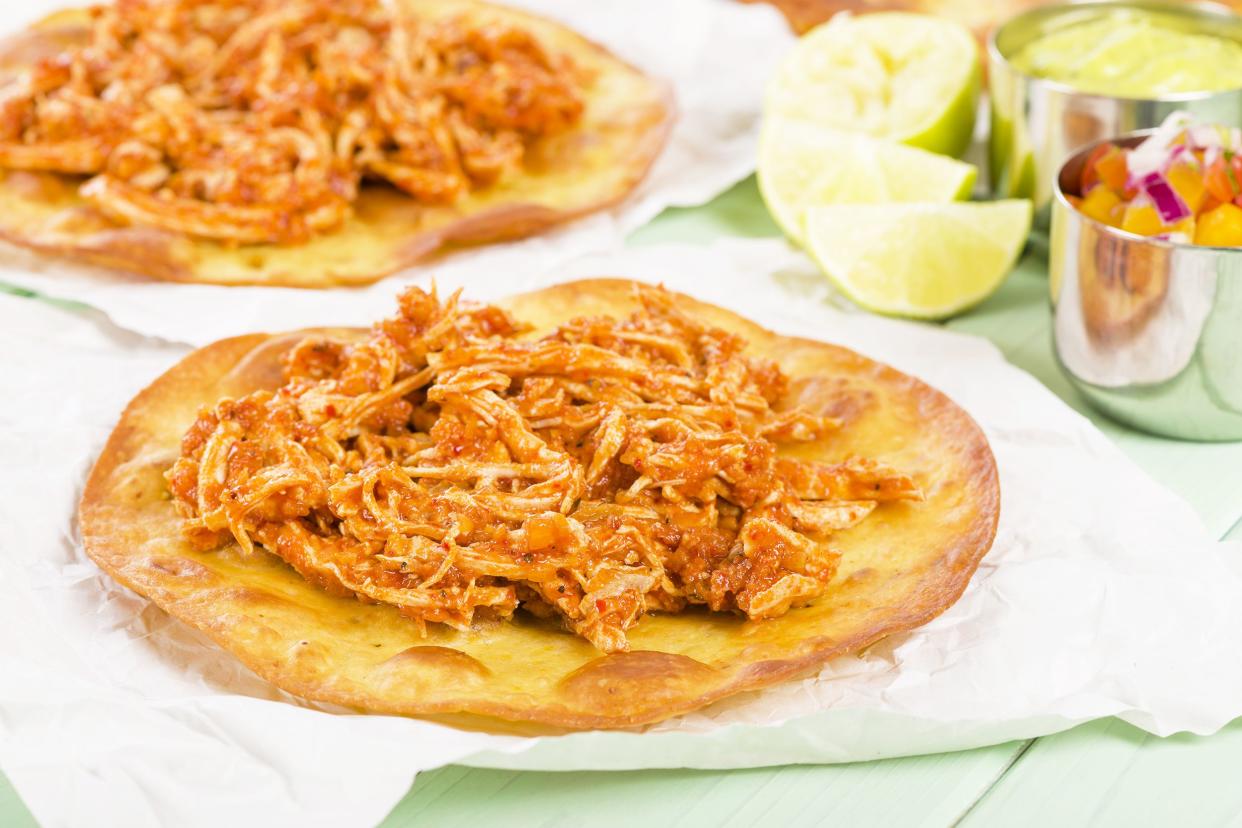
(802, 165)
(905, 77)
(922, 260)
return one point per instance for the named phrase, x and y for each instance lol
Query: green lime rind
(923, 261)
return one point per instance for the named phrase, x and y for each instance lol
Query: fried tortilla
(888, 568)
(525, 125)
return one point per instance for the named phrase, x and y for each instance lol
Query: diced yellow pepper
(1187, 180)
(1143, 220)
(1220, 227)
(1099, 204)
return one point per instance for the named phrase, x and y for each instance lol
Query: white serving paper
(1102, 596)
(694, 49)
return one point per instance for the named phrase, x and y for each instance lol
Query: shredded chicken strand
(452, 466)
(254, 121)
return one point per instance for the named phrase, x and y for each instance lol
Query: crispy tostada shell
(590, 167)
(900, 568)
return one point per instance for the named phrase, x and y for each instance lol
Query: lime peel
(927, 261)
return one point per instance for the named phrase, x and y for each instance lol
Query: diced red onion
(1145, 159)
(1152, 154)
(1166, 200)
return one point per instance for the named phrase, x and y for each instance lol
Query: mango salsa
(1182, 184)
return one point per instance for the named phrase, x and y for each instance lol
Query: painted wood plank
(738, 212)
(1108, 773)
(13, 813)
(930, 790)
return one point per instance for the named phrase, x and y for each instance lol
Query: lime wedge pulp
(928, 261)
(802, 165)
(906, 77)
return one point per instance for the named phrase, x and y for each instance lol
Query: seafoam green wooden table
(1101, 774)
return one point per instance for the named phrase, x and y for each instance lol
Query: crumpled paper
(1103, 595)
(694, 47)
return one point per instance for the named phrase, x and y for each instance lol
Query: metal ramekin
(1149, 331)
(1037, 123)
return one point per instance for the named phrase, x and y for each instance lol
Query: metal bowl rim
(1116, 232)
(1194, 8)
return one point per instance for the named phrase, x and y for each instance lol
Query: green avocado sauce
(1135, 54)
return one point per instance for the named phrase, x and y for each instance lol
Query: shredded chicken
(251, 121)
(448, 465)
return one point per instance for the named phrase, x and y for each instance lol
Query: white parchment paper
(1102, 596)
(695, 46)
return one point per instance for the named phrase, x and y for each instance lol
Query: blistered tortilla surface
(590, 167)
(901, 567)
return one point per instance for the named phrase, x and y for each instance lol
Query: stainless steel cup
(1149, 331)
(1037, 123)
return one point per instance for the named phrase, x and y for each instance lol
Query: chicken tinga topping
(453, 467)
(251, 121)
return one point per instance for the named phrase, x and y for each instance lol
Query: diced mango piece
(1187, 180)
(1218, 180)
(1143, 220)
(1112, 170)
(1090, 176)
(1100, 204)
(1220, 227)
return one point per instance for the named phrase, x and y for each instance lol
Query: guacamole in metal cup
(1131, 52)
